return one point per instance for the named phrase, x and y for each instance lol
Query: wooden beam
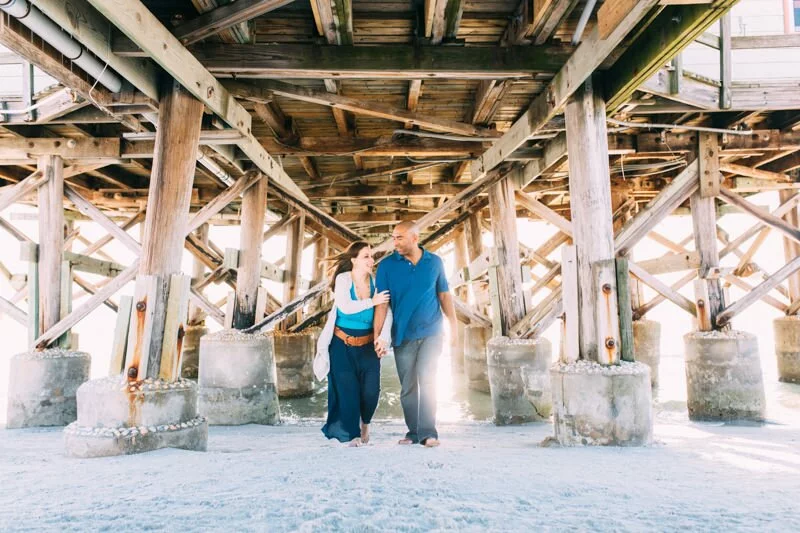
(223, 17)
(681, 188)
(668, 292)
(13, 193)
(579, 67)
(759, 291)
(262, 90)
(139, 24)
(69, 321)
(67, 148)
(757, 173)
(385, 191)
(224, 198)
(298, 61)
(329, 226)
(767, 218)
(789, 40)
(538, 208)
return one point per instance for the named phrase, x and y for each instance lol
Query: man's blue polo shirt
(414, 295)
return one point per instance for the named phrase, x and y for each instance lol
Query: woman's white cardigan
(344, 302)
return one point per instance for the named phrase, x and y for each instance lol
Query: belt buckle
(347, 340)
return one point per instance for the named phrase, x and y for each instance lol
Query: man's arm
(379, 319)
(449, 310)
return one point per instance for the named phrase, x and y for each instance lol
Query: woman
(347, 342)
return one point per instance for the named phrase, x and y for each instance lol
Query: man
(418, 290)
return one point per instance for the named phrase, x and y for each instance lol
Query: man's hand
(381, 348)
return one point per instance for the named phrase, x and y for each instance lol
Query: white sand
(705, 477)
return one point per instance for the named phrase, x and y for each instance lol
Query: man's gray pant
(416, 365)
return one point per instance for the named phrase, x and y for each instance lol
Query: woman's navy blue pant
(354, 384)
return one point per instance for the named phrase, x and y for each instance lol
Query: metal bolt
(607, 288)
(133, 372)
(610, 342)
(141, 306)
(701, 303)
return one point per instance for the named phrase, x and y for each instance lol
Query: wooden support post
(625, 309)
(711, 300)
(480, 295)
(590, 204)
(569, 296)
(506, 254)
(725, 61)
(790, 248)
(51, 240)
(196, 315)
(708, 161)
(29, 252)
(294, 254)
(120, 342)
(461, 259)
(319, 273)
(248, 280)
(676, 74)
(177, 140)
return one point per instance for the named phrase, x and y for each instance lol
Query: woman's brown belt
(349, 340)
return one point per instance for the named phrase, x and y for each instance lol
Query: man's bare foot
(405, 442)
(364, 433)
(355, 443)
(431, 442)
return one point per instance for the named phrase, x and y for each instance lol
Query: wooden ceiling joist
(383, 62)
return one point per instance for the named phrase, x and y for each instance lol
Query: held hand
(381, 348)
(381, 298)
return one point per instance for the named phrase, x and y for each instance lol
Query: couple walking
(401, 307)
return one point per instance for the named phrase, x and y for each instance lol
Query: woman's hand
(381, 298)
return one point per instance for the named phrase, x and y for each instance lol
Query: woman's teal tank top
(360, 320)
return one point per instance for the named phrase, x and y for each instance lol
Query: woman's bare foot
(355, 443)
(405, 442)
(364, 433)
(430, 442)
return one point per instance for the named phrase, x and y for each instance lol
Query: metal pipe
(677, 127)
(51, 33)
(587, 12)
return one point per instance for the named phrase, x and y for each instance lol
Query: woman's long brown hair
(343, 261)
